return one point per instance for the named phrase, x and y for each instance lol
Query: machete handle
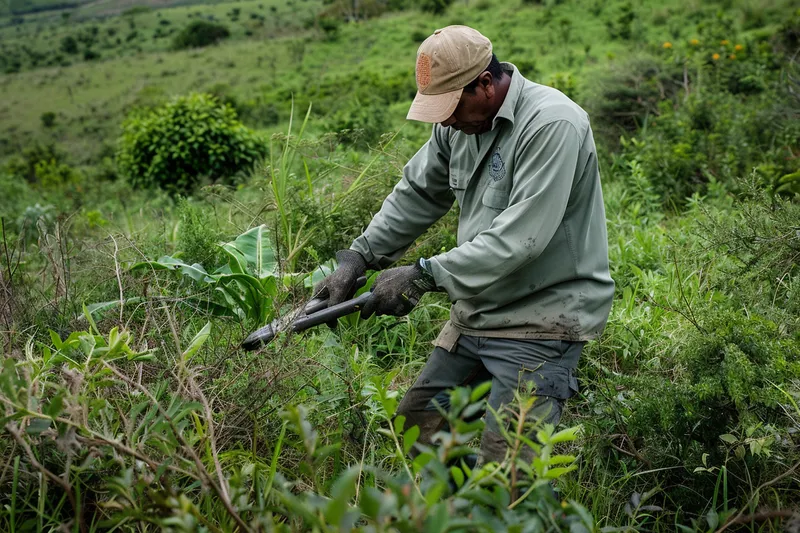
(331, 313)
(316, 305)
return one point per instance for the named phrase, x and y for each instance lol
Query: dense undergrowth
(128, 405)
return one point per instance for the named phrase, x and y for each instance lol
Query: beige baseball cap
(447, 61)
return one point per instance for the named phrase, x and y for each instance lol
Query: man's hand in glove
(340, 285)
(396, 291)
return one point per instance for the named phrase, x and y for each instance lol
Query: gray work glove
(340, 285)
(396, 291)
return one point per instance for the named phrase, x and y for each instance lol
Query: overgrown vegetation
(146, 231)
(176, 145)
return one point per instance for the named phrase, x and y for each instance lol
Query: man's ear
(486, 83)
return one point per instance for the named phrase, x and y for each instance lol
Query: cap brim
(434, 108)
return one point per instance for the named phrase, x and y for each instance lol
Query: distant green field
(559, 45)
(104, 30)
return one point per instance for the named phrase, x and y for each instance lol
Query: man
(529, 279)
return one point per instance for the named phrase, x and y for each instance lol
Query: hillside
(138, 137)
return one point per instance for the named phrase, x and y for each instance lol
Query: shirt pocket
(496, 198)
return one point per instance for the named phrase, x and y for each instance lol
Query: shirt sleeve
(545, 171)
(421, 198)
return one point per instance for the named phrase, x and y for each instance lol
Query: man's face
(473, 115)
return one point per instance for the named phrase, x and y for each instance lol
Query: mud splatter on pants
(510, 364)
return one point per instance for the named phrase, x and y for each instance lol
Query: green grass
(90, 97)
(678, 269)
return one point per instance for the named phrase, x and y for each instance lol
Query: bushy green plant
(48, 119)
(200, 33)
(152, 451)
(34, 217)
(192, 136)
(245, 287)
(728, 115)
(437, 7)
(359, 122)
(24, 165)
(626, 95)
(198, 234)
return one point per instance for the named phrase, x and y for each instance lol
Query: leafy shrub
(564, 82)
(144, 446)
(437, 7)
(330, 26)
(200, 33)
(191, 136)
(48, 119)
(358, 122)
(35, 215)
(44, 157)
(69, 45)
(16, 193)
(623, 97)
(52, 174)
(198, 235)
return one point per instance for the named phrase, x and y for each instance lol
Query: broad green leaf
(197, 342)
(727, 437)
(437, 518)
(256, 248)
(342, 491)
(92, 325)
(237, 263)
(195, 271)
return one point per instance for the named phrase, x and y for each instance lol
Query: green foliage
(200, 33)
(437, 7)
(175, 145)
(32, 219)
(48, 119)
(69, 45)
(198, 234)
(625, 96)
(16, 194)
(726, 118)
(51, 174)
(43, 156)
(245, 287)
(359, 123)
(688, 401)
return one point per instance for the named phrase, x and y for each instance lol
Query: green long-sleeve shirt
(532, 254)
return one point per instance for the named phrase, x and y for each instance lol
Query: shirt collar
(506, 110)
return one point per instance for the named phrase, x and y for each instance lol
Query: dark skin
(476, 110)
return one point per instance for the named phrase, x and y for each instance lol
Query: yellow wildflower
(715, 57)
(724, 42)
(732, 56)
(667, 44)
(738, 47)
(694, 42)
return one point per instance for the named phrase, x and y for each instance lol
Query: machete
(314, 313)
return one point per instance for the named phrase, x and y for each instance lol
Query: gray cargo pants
(510, 364)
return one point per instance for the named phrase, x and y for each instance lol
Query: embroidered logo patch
(497, 168)
(423, 71)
